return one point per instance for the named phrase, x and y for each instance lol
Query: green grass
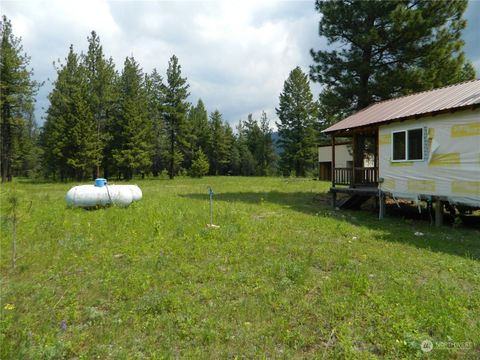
(283, 277)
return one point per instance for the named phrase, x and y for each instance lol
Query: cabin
(419, 147)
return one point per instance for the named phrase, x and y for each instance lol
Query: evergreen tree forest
(121, 124)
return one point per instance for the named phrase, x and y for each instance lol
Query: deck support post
(438, 212)
(381, 205)
(334, 200)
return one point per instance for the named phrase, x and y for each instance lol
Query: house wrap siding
(451, 164)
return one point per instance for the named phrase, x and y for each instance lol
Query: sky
(236, 55)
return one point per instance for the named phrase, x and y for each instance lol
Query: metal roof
(420, 104)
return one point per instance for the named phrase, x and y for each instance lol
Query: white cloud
(236, 54)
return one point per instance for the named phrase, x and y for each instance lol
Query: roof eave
(345, 130)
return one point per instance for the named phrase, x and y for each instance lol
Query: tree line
(118, 124)
(121, 124)
(106, 122)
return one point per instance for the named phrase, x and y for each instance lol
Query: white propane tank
(136, 192)
(94, 195)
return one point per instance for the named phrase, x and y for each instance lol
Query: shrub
(200, 165)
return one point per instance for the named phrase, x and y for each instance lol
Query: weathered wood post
(334, 193)
(333, 160)
(381, 205)
(354, 158)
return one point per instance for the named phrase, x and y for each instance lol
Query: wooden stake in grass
(211, 225)
(14, 202)
(13, 210)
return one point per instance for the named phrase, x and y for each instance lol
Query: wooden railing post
(354, 158)
(333, 160)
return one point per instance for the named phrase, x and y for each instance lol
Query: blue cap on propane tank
(100, 182)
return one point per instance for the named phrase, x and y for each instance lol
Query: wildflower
(9, 307)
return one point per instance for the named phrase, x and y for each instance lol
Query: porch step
(354, 201)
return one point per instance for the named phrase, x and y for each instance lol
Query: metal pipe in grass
(211, 225)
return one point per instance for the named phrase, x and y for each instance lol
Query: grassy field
(283, 277)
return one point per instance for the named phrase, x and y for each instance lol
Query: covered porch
(359, 179)
(363, 170)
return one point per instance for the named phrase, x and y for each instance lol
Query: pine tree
(297, 129)
(156, 99)
(267, 153)
(101, 77)
(200, 165)
(247, 161)
(220, 144)
(198, 118)
(195, 133)
(188, 139)
(17, 93)
(84, 145)
(132, 137)
(27, 159)
(50, 139)
(388, 48)
(175, 111)
(69, 134)
(230, 141)
(253, 140)
(242, 160)
(258, 138)
(234, 159)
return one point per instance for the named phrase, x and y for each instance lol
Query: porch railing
(342, 176)
(364, 176)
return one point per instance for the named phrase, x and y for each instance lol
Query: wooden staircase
(354, 201)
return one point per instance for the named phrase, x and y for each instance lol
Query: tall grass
(283, 277)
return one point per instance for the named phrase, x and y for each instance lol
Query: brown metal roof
(424, 103)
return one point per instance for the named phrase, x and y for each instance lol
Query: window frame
(405, 131)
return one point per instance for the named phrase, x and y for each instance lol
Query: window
(415, 146)
(399, 145)
(407, 145)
